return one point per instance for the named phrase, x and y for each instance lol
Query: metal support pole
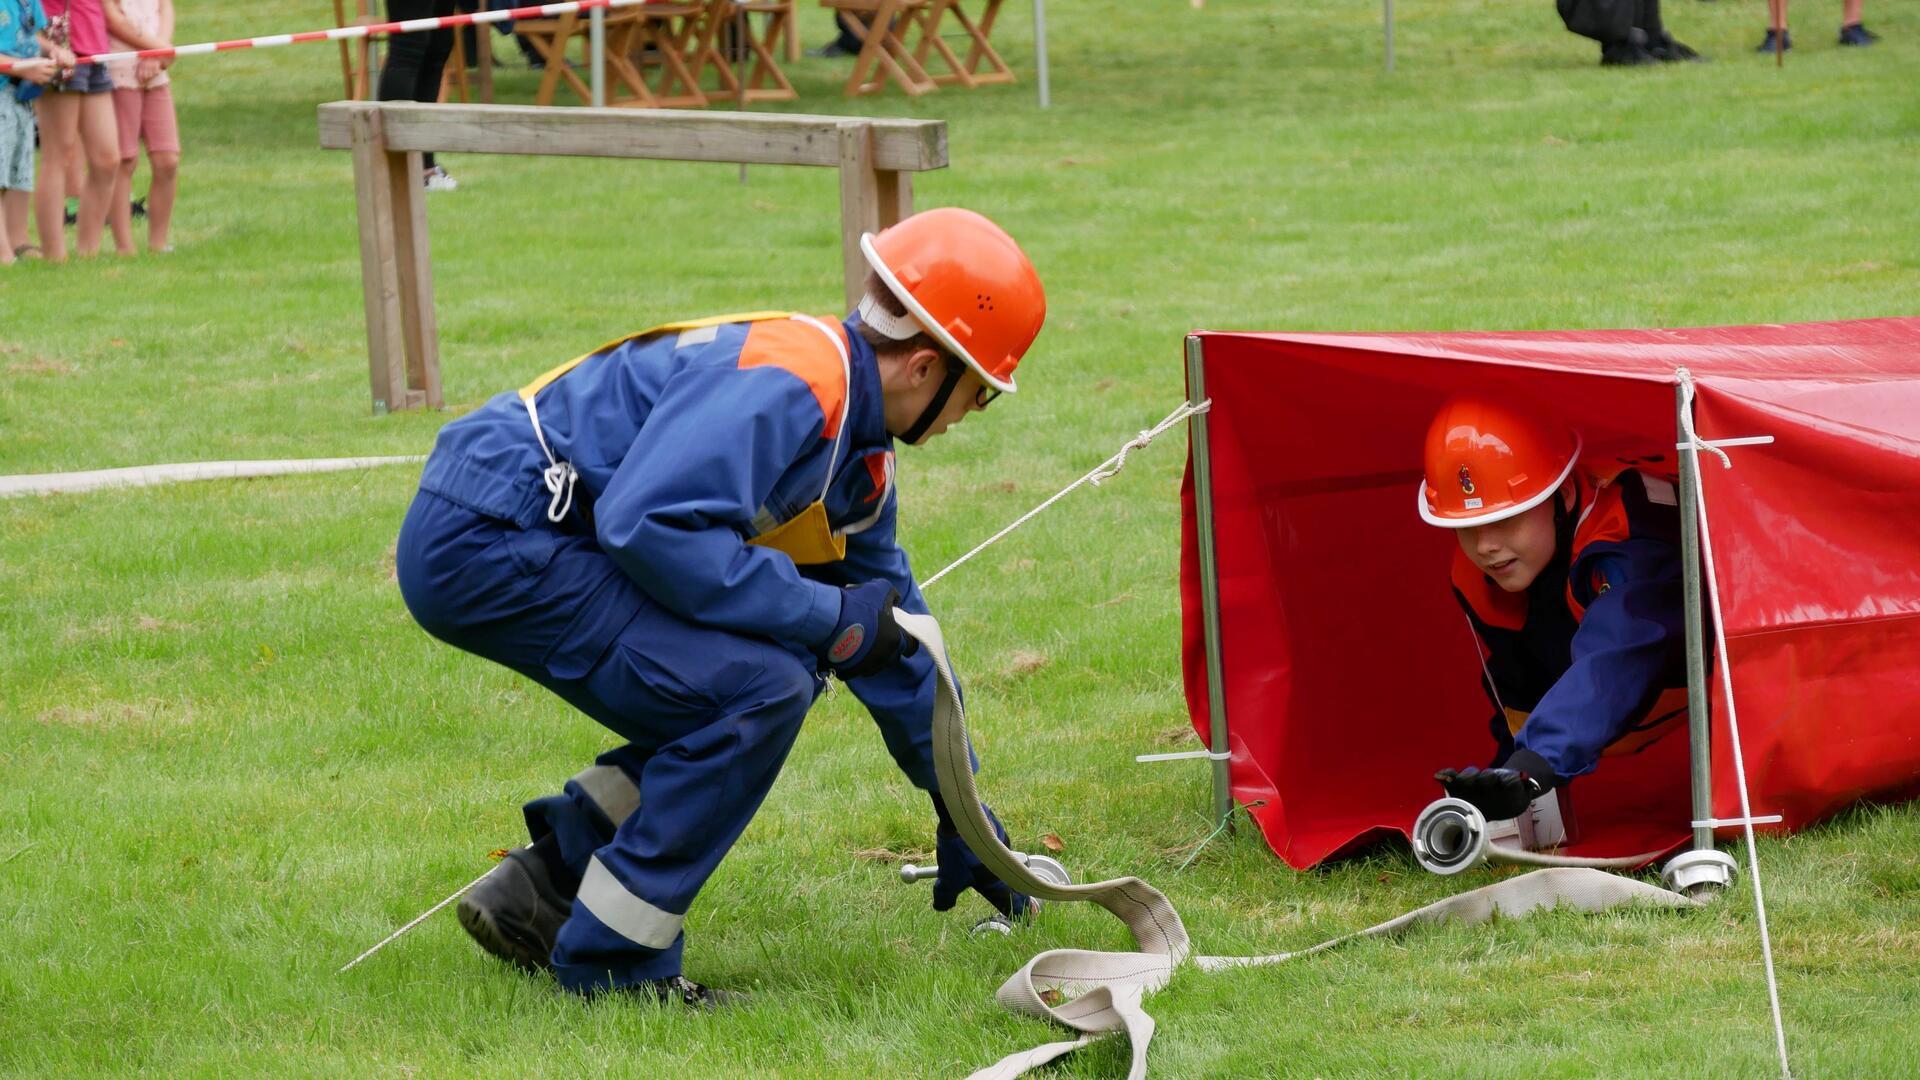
(1699, 701)
(597, 45)
(1209, 583)
(1388, 22)
(1040, 51)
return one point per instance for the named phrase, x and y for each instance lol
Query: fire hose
(1097, 994)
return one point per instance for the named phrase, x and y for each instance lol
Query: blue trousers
(709, 716)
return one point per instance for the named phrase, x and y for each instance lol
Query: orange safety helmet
(1487, 462)
(966, 282)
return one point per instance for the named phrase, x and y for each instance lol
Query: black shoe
(1625, 54)
(680, 990)
(830, 49)
(1857, 34)
(1786, 41)
(138, 208)
(1668, 51)
(73, 212)
(516, 911)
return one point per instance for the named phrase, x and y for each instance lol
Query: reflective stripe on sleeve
(624, 913)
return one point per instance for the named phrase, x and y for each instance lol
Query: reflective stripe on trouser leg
(611, 790)
(701, 790)
(596, 800)
(624, 913)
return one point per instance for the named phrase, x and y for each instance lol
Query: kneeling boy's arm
(1630, 646)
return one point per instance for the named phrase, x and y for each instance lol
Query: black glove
(960, 870)
(1504, 792)
(866, 639)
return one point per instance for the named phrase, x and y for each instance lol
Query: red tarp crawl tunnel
(1348, 674)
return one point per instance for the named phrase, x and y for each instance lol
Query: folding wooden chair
(764, 79)
(550, 36)
(675, 36)
(357, 58)
(980, 49)
(454, 81)
(884, 55)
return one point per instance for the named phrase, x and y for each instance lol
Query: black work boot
(516, 911)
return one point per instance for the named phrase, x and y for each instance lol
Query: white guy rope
(347, 33)
(1103, 471)
(417, 920)
(146, 475)
(1694, 445)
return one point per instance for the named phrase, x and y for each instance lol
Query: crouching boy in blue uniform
(1571, 581)
(680, 534)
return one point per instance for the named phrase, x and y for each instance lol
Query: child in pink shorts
(143, 104)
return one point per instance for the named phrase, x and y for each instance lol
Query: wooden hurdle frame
(876, 160)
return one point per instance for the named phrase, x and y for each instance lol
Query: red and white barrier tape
(347, 33)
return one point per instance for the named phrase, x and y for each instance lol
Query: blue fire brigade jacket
(689, 443)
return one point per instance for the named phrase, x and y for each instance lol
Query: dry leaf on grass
(1053, 843)
(1023, 662)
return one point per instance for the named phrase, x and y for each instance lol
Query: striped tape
(347, 33)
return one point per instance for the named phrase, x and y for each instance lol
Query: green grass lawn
(229, 761)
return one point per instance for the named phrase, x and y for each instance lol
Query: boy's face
(1514, 551)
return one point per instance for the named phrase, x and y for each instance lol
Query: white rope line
(1103, 471)
(146, 475)
(1693, 447)
(417, 920)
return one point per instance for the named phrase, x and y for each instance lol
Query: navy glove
(866, 639)
(1503, 792)
(960, 870)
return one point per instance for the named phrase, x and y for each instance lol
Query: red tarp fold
(1350, 673)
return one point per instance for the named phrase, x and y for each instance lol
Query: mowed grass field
(229, 761)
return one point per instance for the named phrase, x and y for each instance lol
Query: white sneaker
(438, 179)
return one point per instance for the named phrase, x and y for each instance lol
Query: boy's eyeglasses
(984, 396)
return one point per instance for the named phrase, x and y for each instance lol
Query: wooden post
(860, 203)
(379, 276)
(419, 326)
(402, 338)
(896, 196)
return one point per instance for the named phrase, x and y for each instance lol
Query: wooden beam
(662, 134)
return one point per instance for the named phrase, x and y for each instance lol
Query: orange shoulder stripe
(795, 347)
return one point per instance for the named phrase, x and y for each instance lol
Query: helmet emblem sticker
(1466, 480)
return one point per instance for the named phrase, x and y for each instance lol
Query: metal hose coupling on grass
(1044, 867)
(1451, 835)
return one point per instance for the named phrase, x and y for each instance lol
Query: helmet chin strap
(955, 369)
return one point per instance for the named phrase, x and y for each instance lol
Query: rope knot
(1685, 378)
(559, 478)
